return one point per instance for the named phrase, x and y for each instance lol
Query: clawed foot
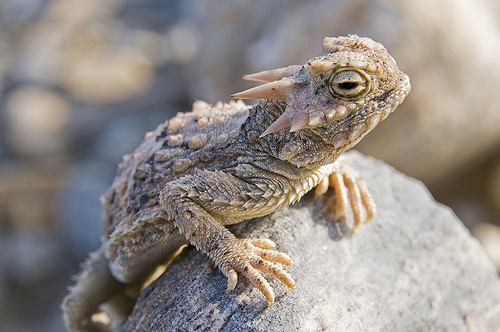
(350, 190)
(250, 257)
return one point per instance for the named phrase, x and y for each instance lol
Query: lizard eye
(348, 84)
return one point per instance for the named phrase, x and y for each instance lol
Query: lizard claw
(251, 257)
(232, 280)
(350, 190)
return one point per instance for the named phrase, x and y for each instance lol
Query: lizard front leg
(200, 204)
(350, 191)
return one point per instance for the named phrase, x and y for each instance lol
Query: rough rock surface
(415, 267)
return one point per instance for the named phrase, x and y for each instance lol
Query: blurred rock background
(82, 81)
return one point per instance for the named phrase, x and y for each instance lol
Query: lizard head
(340, 95)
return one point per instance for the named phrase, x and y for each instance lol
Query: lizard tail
(94, 285)
(112, 277)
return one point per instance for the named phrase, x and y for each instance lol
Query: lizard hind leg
(112, 277)
(94, 285)
(134, 251)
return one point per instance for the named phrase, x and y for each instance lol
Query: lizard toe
(274, 256)
(275, 271)
(250, 259)
(262, 243)
(256, 278)
(351, 193)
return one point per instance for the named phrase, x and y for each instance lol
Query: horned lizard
(219, 165)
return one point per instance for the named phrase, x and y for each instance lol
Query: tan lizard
(219, 165)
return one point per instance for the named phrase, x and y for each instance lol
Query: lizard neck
(303, 148)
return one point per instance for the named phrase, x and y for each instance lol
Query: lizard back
(191, 140)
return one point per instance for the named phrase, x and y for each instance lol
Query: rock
(28, 195)
(489, 237)
(18, 12)
(3, 154)
(37, 55)
(3, 270)
(37, 121)
(183, 42)
(6, 55)
(493, 186)
(414, 267)
(96, 72)
(31, 257)
(81, 208)
(225, 29)
(123, 134)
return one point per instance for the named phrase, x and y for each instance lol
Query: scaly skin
(222, 164)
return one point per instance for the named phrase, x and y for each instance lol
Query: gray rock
(30, 257)
(3, 282)
(3, 153)
(124, 133)
(18, 12)
(415, 267)
(81, 209)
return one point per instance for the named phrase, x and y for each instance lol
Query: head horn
(282, 122)
(273, 74)
(277, 90)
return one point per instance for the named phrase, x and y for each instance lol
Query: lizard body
(222, 164)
